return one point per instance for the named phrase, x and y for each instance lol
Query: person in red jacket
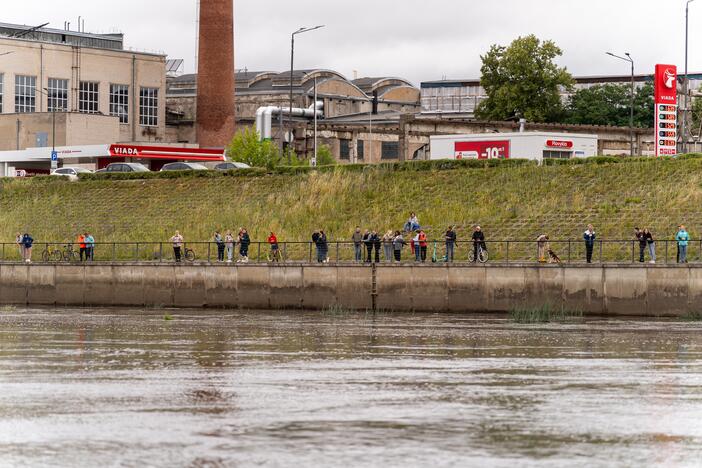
(423, 245)
(82, 246)
(275, 251)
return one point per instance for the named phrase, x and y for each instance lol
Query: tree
(325, 156)
(610, 104)
(522, 80)
(247, 148)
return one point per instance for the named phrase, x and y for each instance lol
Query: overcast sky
(414, 39)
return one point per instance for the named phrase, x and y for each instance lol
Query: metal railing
(500, 251)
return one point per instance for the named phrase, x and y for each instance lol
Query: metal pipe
(686, 84)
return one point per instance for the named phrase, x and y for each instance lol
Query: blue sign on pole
(54, 156)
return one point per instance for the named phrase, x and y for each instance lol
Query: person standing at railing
(90, 245)
(423, 244)
(387, 246)
(450, 244)
(478, 242)
(229, 242)
(651, 244)
(320, 241)
(543, 246)
(219, 241)
(177, 241)
(27, 242)
(398, 243)
(683, 239)
(244, 242)
(368, 243)
(20, 247)
(357, 239)
(415, 247)
(589, 236)
(81, 246)
(275, 251)
(376, 244)
(643, 243)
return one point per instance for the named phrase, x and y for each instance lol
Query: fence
(505, 252)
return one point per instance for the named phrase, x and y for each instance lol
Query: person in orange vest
(423, 245)
(82, 246)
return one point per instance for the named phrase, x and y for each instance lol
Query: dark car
(126, 167)
(228, 166)
(183, 166)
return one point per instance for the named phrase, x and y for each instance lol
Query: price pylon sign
(666, 97)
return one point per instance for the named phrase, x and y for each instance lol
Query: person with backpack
(683, 239)
(27, 243)
(219, 241)
(589, 237)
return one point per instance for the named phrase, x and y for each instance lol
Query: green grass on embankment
(512, 199)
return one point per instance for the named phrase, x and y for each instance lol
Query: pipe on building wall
(41, 79)
(264, 117)
(132, 113)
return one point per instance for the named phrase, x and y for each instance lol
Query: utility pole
(292, 69)
(686, 84)
(633, 90)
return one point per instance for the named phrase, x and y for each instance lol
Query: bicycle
(483, 255)
(56, 255)
(188, 254)
(275, 255)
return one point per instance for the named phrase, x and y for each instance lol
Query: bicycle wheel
(189, 255)
(45, 256)
(484, 256)
(471, 256)
(71, 256)
(56, 256)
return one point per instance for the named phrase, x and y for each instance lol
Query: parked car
(183, 166)
(228, 166)
(126, 167)
(70, 172)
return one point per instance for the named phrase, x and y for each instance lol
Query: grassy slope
(510, 202)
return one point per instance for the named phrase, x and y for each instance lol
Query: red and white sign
(666, 97)
(498, 149)
(559, 144)
(166, 152)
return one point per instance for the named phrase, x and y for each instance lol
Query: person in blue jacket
(683, 239)
(27, 243)
(589, 238)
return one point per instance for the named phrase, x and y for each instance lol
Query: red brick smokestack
(215, 79)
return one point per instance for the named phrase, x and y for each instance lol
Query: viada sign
(666, 98)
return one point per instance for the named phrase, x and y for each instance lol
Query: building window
(344, 150)
(558, 154)
(148, 107)
(58, 95)
(119, 102)
(359, 150)
(25, 93)
(88, 97)
(2, 90)
(390, 150)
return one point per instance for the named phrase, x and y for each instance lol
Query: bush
(246, 148)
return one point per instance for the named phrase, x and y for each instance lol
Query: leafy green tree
(325, 156)
(246, 148)
(610, 104)
(522, 80)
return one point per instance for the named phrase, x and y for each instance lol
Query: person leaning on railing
(177, 241)
(478, 242)
(589, 237)
(229, 242)
(219, 241)
(683, 239)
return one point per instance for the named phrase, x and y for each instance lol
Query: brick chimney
(215, 80)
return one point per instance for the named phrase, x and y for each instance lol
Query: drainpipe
(133, 112)
(41, 77)
(18, 132)
(522, 125)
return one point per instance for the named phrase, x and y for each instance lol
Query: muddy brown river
(208, 389)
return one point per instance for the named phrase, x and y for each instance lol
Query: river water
(210, 389)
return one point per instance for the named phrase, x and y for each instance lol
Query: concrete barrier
(617, 290)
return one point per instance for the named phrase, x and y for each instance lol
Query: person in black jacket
(643, 243)
(375, 245)
(478, 241)
(244, 242)
(450, 244)
(589, 237)
(368, 242)
(320, 241)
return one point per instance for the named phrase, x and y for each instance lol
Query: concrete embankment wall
(609, 289)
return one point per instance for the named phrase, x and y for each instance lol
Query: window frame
(148, 106)
(51, 97)
(25, 103)
(85, 92)
(119, 98)
(395, 145)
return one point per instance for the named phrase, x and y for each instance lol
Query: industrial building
(93, 89)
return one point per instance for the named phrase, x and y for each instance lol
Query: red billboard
(497, 149)
(666, 96)
(166, 152)
(559, 144)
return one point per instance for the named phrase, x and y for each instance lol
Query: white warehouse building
(535, 146)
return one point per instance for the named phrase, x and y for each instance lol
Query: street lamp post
(631, 110)
(54, 164)
(686, 85)
(292, 68)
